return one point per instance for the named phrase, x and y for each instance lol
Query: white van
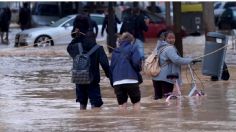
(43, 13)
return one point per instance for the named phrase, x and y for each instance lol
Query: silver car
(55, 34)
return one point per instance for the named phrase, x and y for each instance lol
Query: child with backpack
(125, 68)
(87, 56)
(170, 62)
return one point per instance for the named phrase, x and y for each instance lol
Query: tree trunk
(111, 36)
(177, 26)
(208, 17)
(168, 17)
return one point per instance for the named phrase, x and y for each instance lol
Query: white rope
(210, 53)
(113, 47)
(47, 40)
(57, 36)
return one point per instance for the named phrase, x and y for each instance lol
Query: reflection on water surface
(36, 95)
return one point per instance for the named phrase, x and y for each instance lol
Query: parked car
(56, 33)
(43, 13)
(228, 19)
(156, 24)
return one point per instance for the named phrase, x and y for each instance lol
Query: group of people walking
(124, 68)
(5, 20)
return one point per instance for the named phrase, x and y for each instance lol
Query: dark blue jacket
(98, 57)
(126, 63)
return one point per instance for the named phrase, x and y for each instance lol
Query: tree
(168, 17)
(111, 39)
(208, 17)
(177, 26)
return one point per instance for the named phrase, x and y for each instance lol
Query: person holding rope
(170, 63)
(85, 40)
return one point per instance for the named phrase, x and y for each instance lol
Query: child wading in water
(170, 62)
(125, 67)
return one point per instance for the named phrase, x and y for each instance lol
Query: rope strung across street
(211, 52)
(40, 43)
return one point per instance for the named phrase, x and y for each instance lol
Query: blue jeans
(91, 92)
(140, 46)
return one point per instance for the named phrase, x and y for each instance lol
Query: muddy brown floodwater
(36, 95)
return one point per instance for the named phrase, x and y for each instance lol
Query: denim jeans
(140, 46)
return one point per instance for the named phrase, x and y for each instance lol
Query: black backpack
(81, 66)
(129, 24)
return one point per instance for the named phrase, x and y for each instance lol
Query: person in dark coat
(83, 26)
(136, 19)
(105, 27)
(154, 8)
(105, 24)
(93, 25)
(141, 25)
(5, 23)
(25, 17)
(87, 39)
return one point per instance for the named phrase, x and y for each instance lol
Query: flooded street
(36, 95)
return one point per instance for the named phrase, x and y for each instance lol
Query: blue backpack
(81, 66)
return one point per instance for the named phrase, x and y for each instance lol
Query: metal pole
(193, 85)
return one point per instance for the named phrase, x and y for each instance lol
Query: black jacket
(98, 57)
(92, 25)
(135, 25)
(140, 26)
(105, 24)
(24, 16)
